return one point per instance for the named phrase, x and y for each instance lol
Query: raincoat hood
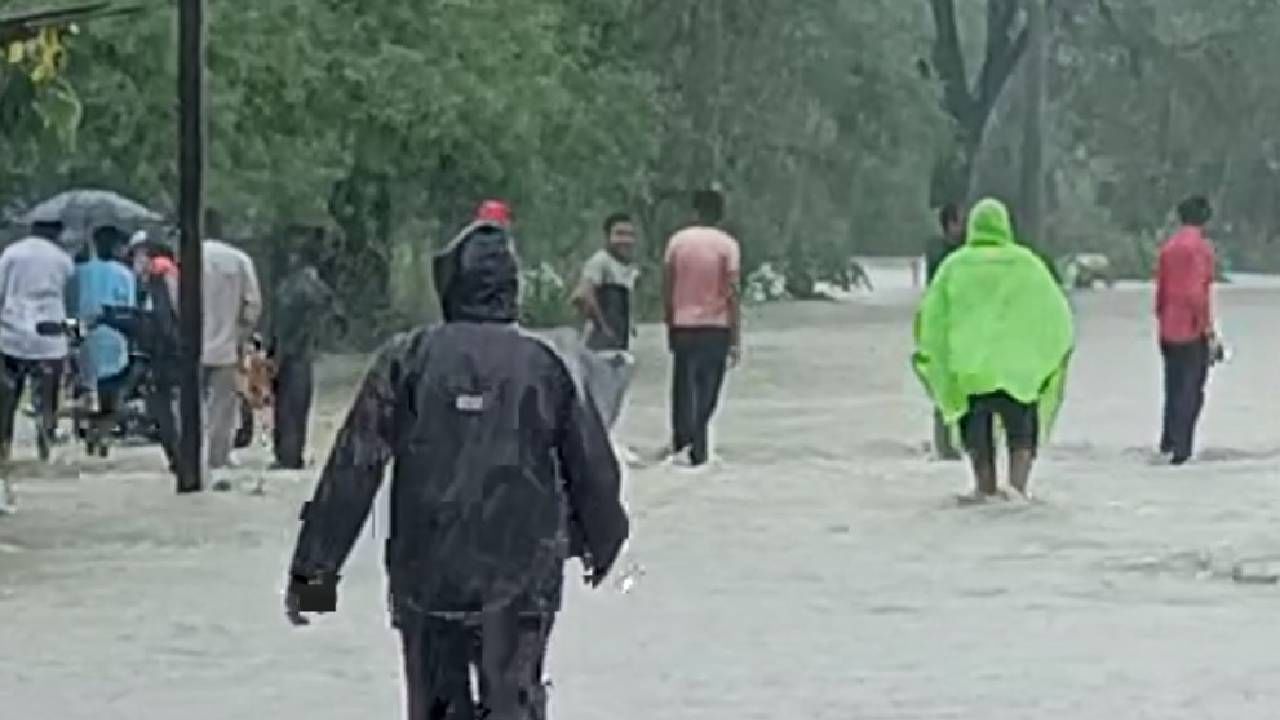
(989, 225)
(994, 320)
(477, 276)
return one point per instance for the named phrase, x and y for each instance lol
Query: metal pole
(191, 164)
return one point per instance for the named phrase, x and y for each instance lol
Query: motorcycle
(127, 418)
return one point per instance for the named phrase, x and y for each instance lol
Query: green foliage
(387, 122)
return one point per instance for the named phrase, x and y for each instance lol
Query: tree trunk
(1033, 165)
(970, 107)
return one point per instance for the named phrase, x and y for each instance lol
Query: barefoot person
(703, 323)
(1188, 342)
(993, 338)
(502, 471)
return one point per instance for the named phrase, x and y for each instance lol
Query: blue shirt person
(99, 283)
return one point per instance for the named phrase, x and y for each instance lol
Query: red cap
(494, 211)
(162, 266)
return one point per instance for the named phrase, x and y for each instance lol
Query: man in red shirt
(1184, 289)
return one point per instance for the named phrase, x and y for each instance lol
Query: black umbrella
(83, 211)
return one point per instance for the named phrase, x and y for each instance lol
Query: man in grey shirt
(605, 299)
(232, 307)
(34, 274)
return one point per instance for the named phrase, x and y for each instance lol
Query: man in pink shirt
(1188, 342)
(702, 269)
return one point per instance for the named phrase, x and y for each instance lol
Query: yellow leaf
(16, 53)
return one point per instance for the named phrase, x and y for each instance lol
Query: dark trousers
(1186, 370)
(110, 390)
(294, 389)
(507, 651)
(244, 431)
(48, 376)
(701, 356)
(1021, 425)
(160, 397)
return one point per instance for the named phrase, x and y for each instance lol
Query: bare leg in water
(1020, 462)
(986, 483)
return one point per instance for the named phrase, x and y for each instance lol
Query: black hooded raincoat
(502, 468)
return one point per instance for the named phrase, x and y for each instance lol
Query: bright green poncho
(994, 319)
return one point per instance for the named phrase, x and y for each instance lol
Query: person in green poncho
(994, 336)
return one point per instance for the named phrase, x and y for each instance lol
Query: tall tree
(970, 104)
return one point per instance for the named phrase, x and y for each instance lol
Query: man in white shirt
(232, 307)
(34, 273)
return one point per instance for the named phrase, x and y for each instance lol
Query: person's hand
(735, 356)
(320, 592)
(293, 606)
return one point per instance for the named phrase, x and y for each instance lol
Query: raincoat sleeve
(331, 521)
(931, 361)
(598, 522)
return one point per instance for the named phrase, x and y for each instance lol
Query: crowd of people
(123, 293)
(502, 462)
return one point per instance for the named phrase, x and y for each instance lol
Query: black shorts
(1021, 424)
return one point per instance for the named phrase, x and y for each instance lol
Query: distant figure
(952, 222)
(604, 297)
(34, 275)
(993, 337)
(232, 307)
(1188, 341)
(702, 309)
(502, 471)
(305, 306)
(101, 283)
(155, 334)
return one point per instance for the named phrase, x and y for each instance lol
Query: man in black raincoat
(502, 471)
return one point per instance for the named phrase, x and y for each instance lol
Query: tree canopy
(834, 126)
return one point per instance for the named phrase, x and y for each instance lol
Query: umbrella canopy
(83, 211)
